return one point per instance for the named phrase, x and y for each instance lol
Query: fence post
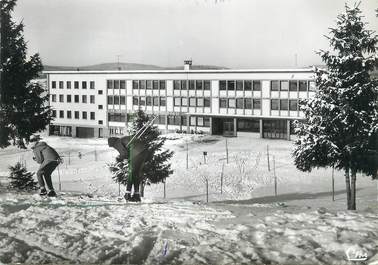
(187, 154)
(119, 189)
(226, 150)
(95, 154)
(207, 190)
(267, 156)
(69, 158)
(333, 184)
(165, 194)
(275, 177)
(222, 178)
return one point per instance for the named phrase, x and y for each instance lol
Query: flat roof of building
(208, 71)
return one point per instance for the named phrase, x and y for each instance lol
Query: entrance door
(228, 128)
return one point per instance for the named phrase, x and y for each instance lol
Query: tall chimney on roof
(187, 65)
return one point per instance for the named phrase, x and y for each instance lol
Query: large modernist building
(101, 103)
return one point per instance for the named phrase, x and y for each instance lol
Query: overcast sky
(231, 33)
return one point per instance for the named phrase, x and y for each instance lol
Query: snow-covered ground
(245, 223)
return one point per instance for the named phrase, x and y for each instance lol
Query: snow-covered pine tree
(157, 167)
(340, 128)
(23, 108)
(21, 179)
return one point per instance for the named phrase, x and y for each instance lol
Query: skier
(49, 160)
(136, 155)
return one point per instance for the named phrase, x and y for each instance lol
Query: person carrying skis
(49, 160)
(136, 155)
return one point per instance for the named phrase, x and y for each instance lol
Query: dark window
(135, 84)
(177, 120)
(69, 114)
(76, 84)
(92, 99)
(162, 84)
(110, 100)
(223, 102)
(302, 85)
(248, 103)
(117, 117)
(200, 102)
(84, 98)
(53, 84)
(274, 104)
(199, 84)
(122, 100)
(54, 113)
(69, 98)
(162, 101)
(155, 101)
(293, 104)
(247, 85)
(231, 103)
(184, 120)
(116, 100)
(100, 92)
(230, 85)
(142, 84)
(92, 85)
(68, 84)
(116, 84)
(76, 98)
(149, 101)
(84, 85)
(61, 84)
(76, 115)
(84, 115)
(192, 102)
(207, 85)
(191, 84)
(239, 103)
(161, 119)
(93, 115)
(274, 85)
(183, 85)
(206, 121)
(100, 122)
(207, 102)
(257, 85)
(284, 85)
(61, 114)
(100, 107)
(122, 84)
(177, 101)
(142, 101)
(184, 102)
(61, 98)
(176, 84)
(222, 85)
(109, 84)
(239, 85)
(257, 103)
(293, 86)
(149, 84)
(155, 84)
(284, 104)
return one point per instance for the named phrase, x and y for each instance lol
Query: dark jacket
(44, 154)
(120, 144)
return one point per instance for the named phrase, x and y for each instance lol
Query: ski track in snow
(103, 230)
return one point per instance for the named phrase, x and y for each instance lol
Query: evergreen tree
(23, 108)
(341, 122)
(21, 179)
(157, 167)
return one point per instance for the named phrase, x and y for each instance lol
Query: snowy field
(244, 224)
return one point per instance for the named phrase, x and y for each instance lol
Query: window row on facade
(76, 84)
(116, 84)
(292, 85)
(76, 98)
(149, 101)
(192, 102)
(149, 84)
(76, 114)
(240, 103)
(284, 104)
(191, 84)
(241, 85)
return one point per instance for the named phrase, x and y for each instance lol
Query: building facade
(101, 103)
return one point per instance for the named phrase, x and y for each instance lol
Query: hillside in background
(125, 66)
